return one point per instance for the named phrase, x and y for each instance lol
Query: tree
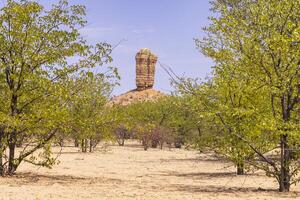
(89, 117)
(36, 46)
(219, 113)
(148, 121)
(143, 118)
(259, 41)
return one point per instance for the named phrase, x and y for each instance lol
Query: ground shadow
(222, 189)
(219, 190)
(67, 152)
(28, 178)
(198, 159)
(203, 175)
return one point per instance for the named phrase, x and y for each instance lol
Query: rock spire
(145, 69)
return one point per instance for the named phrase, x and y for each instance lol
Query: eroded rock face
(145, 69)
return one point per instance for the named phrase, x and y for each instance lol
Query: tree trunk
(61, 142)
(1, 152)
(91, 145)
(1, 157)
(178, 143)
(121, 141)
(86, 144)
(76, 143)
(11, 156)
(284, 180)
(199, 131)
(145, 144)
(154, 143)
(1, 166)
(12, 137)
(83, 145)
(285, 156)
(240, 169)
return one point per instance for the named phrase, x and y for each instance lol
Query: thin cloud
(96, 32)
(143, 30)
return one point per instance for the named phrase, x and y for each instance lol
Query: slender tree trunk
(61, 142)
(161, 144)
(83, 148)
(1, 166)
(1, 155)
(76, 143)
(145, 143)
(240, 169)
(199, 131)
(122, 138)
(1, 152)
(284, 180)
(86, 144)
(12, 140)
(154, 143)
(121, 141)
(91, 145)
(11, 155)
(285, 156)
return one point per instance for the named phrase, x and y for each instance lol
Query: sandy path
(131, 173)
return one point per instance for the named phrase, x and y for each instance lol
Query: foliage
(150, 121)
(89, 118)
(36, 49)
(253, 97)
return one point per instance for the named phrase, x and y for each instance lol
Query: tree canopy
(253, 95)
(40, 51)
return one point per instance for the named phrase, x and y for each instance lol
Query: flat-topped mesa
(145, 69)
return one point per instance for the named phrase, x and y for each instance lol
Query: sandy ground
(131, 173)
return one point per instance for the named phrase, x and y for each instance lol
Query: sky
(167, 27)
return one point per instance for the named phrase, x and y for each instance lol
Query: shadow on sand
(203, 175)
(223, 189)
(28, 178)
(198, 159)
(31, 178)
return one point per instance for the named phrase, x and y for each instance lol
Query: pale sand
(131, 173)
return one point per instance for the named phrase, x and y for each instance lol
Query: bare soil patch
(129, 172)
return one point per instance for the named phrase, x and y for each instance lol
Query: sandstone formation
(135, 96)
(145, 73)
(145, 69)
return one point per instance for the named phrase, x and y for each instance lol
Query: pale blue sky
(167, 27)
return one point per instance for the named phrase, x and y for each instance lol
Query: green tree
(36, 46)
(148, 121)
(258, 42)
(90, 119)
(219, 116)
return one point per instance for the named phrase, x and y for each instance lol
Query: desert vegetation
(246, 114)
